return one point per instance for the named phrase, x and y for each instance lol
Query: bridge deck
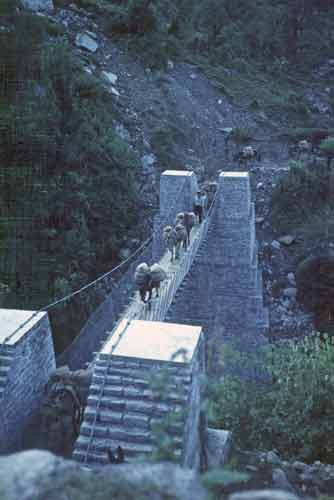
(140, 311)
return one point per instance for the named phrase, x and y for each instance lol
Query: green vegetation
(58, 132)
(315, 282)
(291, 410)
(302, 197)
(165, 447)
(302, 204)
(69, 178)
(217, 480)
(327, 148)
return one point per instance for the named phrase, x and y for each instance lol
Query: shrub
(139, 16)
(292, 412)
(241, 135)
(59, 129)
(327, 148)
(315, 283)
(297, 197)
(7, 7)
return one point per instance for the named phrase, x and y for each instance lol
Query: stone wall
(194, 445)
(103, 319)
(223, 290)
(33, 362)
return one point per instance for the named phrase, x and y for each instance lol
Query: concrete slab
(154, 340)
(178, 172)
(234, 174)
(11, 319)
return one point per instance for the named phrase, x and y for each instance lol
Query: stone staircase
(125, 409)
(6, 358)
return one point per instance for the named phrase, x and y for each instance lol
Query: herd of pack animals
(149, 278)
(176, 237)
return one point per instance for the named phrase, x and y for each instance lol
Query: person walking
(198, 210)
(204, 203)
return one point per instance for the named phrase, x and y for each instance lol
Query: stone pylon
(177, 192)
(223, 290)
(239, 315)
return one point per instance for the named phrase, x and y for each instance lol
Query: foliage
(7, 7)
(162, 431)
(311, 134)
(241, 135)
(77, 174)
(302, 193)
(327, 147)
(216, 480)
(291, 409)
(315, 283)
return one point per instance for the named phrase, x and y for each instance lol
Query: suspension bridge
(212, 294)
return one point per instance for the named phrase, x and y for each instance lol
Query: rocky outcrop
(295, 478)
(263, 495)
(219, 444)
(37, 475)
(37, 5)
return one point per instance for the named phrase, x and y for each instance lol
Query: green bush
(7, 7)
(138, 16)
(59, 129)
(299, 195)
(315, 283)
(327, 148)
(241, 135)
(292, 412)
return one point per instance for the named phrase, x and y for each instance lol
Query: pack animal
(169, 238)
(246, 154)
(158, 275)
(142, 279)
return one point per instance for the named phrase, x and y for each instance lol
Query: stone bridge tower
(223, 290)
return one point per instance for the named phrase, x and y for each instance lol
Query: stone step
(6, 359)
(4, 369)
(135, 406)
(132, 420)
(104, 416)
(100, 445)
(108, 379)
(101, 458)
(137, 366)
(134, 435)
(130, 393)
(179, 374)
(6, 349)
(3, 381)
(140, 383)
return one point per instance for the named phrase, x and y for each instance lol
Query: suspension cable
(92, 283)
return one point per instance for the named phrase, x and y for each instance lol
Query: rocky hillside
(102, 103)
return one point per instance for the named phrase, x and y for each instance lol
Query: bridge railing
(75, 315)
(156, 313)
(159, 310)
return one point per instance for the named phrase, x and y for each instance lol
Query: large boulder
(39, 475)
(263, 495)
(38, 5)
(218, 447)
(315, 285)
